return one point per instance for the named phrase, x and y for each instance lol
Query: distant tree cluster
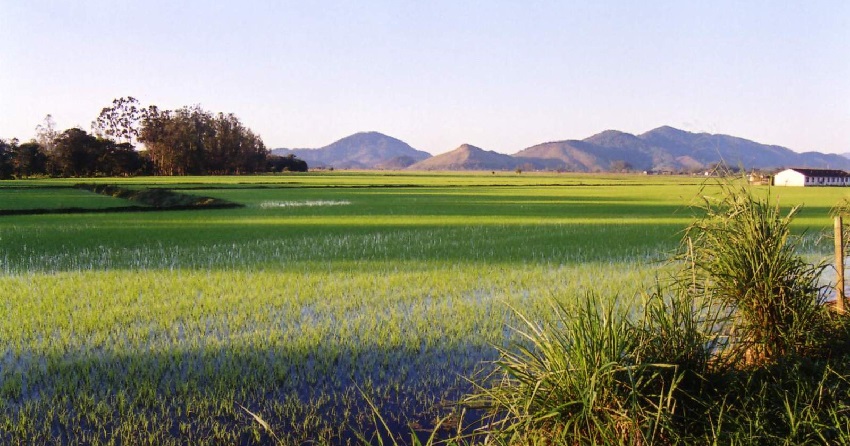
(192, 141)
(72, 153)
(186, 141)
(19, 160)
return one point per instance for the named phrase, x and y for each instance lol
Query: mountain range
(662, 149)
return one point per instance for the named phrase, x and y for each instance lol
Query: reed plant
(743, 253)
(588, 376)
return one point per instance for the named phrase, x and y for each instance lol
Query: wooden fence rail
(839, 264)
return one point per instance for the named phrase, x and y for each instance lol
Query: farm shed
(811, 177)
(758, 179)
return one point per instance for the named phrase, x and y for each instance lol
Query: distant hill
(467, 157)
(366, 150)
(667, 148)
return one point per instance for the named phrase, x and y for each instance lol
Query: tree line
(185, 141)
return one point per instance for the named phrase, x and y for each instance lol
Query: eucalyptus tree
(191, 140)
(46, 134)
(175, 139)
(121, 121)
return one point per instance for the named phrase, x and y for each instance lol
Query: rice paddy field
(324, 289)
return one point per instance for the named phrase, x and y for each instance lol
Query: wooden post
(839, 265)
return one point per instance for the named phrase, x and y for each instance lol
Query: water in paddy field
(828, 280)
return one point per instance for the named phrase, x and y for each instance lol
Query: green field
(53, 198)
(150, 328)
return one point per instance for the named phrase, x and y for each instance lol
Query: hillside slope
(467, 157)
(365, 150)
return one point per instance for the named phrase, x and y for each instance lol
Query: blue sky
(436, 74)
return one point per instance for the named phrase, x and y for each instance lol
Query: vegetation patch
(160, 198)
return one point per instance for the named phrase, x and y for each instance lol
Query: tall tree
(121, 121)
(234, 148)
(46, 134)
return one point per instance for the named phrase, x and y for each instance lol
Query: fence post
(839, 265)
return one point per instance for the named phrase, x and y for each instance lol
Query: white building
(811, 177)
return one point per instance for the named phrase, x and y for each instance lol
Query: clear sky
(500, 75)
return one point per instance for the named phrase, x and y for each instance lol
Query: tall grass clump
(595, 374)
(742, 252)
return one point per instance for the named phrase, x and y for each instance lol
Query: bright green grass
(150, 327)
(54, 198)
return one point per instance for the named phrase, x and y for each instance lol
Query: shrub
(743, 254)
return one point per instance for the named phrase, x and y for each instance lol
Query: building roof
(821, 172)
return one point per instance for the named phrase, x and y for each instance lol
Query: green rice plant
(742, 253)
(384, 434)
(146, 328)
(265, 425)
